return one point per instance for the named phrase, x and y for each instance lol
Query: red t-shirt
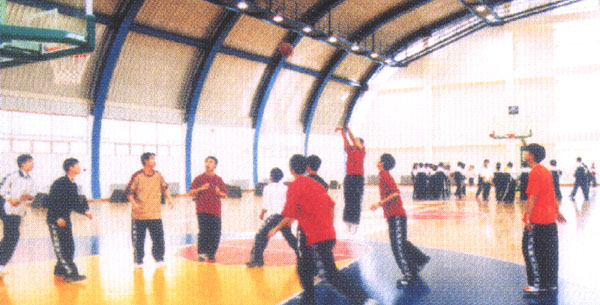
(207, 202)
(355, 160)
(387, 186)
(308, 202)
(541, 185)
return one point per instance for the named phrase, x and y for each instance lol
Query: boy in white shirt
(15, 190)
(274, 196)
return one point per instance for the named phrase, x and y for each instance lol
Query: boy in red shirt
(408, 257)
(208, 189)
(354, 182)
(308, 202)
(540, 237)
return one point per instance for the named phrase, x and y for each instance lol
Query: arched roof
(216, 61)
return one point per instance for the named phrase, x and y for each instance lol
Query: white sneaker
(353, 229)
(138, 266)
(532, 290)
(160, 264)
(3, 270)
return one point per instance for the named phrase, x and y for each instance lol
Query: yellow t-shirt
(147, 190)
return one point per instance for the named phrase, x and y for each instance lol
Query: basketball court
(475, 250)
(255, 82)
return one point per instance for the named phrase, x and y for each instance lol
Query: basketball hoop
(68, 70)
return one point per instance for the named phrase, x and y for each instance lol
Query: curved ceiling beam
(358, 93)
(311, 16)
(359, 35)
(197, 84)
(114, 44)
(425, 31)
(385, 17)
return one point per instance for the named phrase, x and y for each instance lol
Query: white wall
(443, 107)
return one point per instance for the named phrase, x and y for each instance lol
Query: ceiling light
(480, 8)
(278, 18)
(242, 5)
(332, 39)
(400, 56)
(388, 61)
(355, 47)
(374, 55)
(307, 29)
(490, 17)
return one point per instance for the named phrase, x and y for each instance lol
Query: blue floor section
(451, 278)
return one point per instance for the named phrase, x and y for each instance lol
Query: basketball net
(69, 70)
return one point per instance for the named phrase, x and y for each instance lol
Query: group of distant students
(305, 200)
(433, 182)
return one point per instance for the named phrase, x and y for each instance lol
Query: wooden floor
(104, 251)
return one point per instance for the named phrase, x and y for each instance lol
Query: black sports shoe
(60, 273)
(422, 265)
(74, 278)
(252, 264)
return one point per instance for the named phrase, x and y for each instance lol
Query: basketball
(286, 49)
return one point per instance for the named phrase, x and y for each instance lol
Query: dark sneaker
(422, 265)
(211, 259)
(253, 264)
(202, 257)
(60, 273)
(74, 278)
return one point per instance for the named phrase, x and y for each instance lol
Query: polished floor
(475, 249)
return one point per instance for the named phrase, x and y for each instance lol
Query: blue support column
(262, 95)
(311, 106)
(107, 68)
(198, 81)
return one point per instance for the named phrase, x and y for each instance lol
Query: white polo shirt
(14, 186)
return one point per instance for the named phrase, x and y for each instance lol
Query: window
(39, 125)
(5, 123)
(143, 133)
(21, 146)
(107, 149)
(137, 150)
(163, 150)
(122, 149)
(78, 148)
(41, 147)
(60, 147)
(4, 146)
